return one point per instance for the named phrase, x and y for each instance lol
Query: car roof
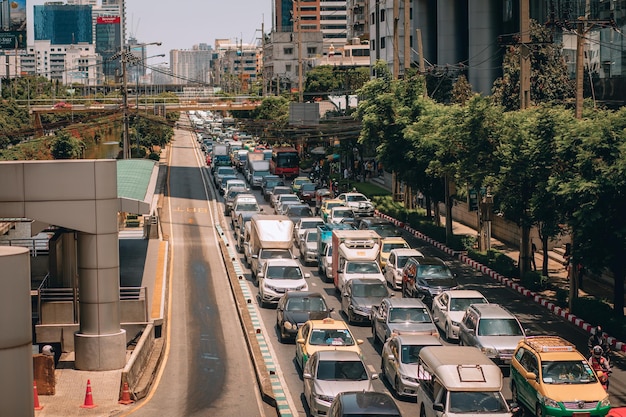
(397, 302)
(281, 187)
(311, 219)
(366, 281)
(332, 201)
(407, 252)
(463, 293)
(337, 355)
(429, 260)
(417, 339)
(492, 311)
(282, 262)
(367, 402)
(393, 239)
(303, 294)
(245, 196)
(328, 323)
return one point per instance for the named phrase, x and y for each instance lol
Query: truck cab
(355, 255)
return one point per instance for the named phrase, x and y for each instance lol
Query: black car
(383, 227)
(358, 297)
(297, 211)
(363, 403)
(268, 183)
(426, 277)
(296, 308)
(307, 193)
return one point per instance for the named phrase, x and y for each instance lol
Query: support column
(16, 353)
(100, 344)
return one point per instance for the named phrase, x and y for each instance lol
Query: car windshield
(289, 197)
(280, 191)
(410, 353)
(225, 179)
(343, 213)
(299, 211)
(311, 237)
(377, 289)
(567, 372)
(387, 247)
(310, 225)
(362, 268)
(386, 230)
(283, 272)
(226, 171)
(499, 327)
(300, 181)
(306, 304)
(433, 271)
(272, 183)
(331, 205)
(276, 254)
(353, 198)
(461, 304)
(409, 315)
(476, 402)
(308, 186)
(331, 337)
(341, 371)
(247, 207)
(234, 193)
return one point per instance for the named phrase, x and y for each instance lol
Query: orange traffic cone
(125, 395)
(88, 397)
(36, 397)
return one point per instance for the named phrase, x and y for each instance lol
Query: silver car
(329, 372)
(308, 247)
(400, 357)
(493, 329)
(401, 316)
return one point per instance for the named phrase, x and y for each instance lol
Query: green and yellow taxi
(326, 334)
(552, 379)
(327, 205)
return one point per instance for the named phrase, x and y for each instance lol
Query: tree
(461, 91)
(549, 79)
(325, 80)
(65, 146)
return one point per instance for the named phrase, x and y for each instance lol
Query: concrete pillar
(483, 47)
(100, 344)
(16, 353)
(424, 18)
(447, 33)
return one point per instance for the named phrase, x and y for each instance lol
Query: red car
(62, 105)
(307, 193)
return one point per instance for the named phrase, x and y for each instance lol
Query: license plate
(581, 414)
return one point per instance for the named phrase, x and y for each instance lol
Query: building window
(288, 68)
(382, 15)
(382, 43)
(373, 19)
(373, 43)
(311, 50)
(288, 51)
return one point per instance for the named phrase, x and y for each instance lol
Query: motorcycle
(603, 377)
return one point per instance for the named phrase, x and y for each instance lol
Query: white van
(459, 381)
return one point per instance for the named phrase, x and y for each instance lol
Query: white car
(395, 263)
(337, 214)
(279, 276)
(304, 224)
(308, 247)
(282, 199)
(449, 308)
(360, 204)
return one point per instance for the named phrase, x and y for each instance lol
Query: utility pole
(580, 64)
(126, 145)
(524, 74)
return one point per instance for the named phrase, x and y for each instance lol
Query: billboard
(12, 24)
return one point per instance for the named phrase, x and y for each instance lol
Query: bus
(285, 162)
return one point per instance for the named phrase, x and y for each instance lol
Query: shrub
(497, 261)
(534, 281)
(596, 311)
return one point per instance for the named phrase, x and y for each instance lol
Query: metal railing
(37, 246)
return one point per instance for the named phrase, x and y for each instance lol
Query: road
(202, 375)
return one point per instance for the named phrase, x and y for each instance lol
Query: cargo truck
(220, 156)
(270, 237)
(258, 170)
(355, 255)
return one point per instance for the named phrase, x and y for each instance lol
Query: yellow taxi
(327, 205)
(551, 378)
(326, 334)
(387, 245)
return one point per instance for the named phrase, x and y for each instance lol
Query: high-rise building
(191, 66)
(63, 24)
(357, 11)
(108, 42)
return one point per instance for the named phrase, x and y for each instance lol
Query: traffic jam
(365, 317)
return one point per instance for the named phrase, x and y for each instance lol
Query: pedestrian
(567, 255)
(380, 169)
(346, 173)
(533, 250)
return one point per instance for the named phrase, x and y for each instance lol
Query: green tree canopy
(65, 146)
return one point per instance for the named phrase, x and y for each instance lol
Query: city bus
(285, 162)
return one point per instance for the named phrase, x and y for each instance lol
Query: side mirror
(391, 357)
(260, 275)
(307, 375)
(436, 319)
(531, 376)
(438, 407)
(261, 209)
(307, 275)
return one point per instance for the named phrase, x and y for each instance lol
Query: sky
(181, 24)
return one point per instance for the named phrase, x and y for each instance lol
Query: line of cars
(408, 328)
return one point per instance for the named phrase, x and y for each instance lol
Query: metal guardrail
(37, 247)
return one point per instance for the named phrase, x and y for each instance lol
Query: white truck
(258, 170)
(270, 237)
(355, 255)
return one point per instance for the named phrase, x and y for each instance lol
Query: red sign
(108, 20)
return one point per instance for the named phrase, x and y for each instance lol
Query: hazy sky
(180, 24)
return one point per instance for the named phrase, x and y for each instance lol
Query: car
(297, 183)
(329, 372)
(236, 182)
(321, 194)
(326, 334)
(308, 247)
(307, 193)
(279, 276)
(359, 296)
(268, 183)
(285, 200)
(327, 205)
(339, 214)
(223, 181)
(220, 171)
(550, 377)
(304, 224)
(296, 211)
(243, 227)
(229, 198)
(395, 263)
(360, 204)
(363, 404)
(62, 105)
(449, 308)
(243, 203)
(296, 308)
(426, 277)
(278, 191)
(401, 316)
(493, 329)
(399, 361)
(387, 244)
(383, 227)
